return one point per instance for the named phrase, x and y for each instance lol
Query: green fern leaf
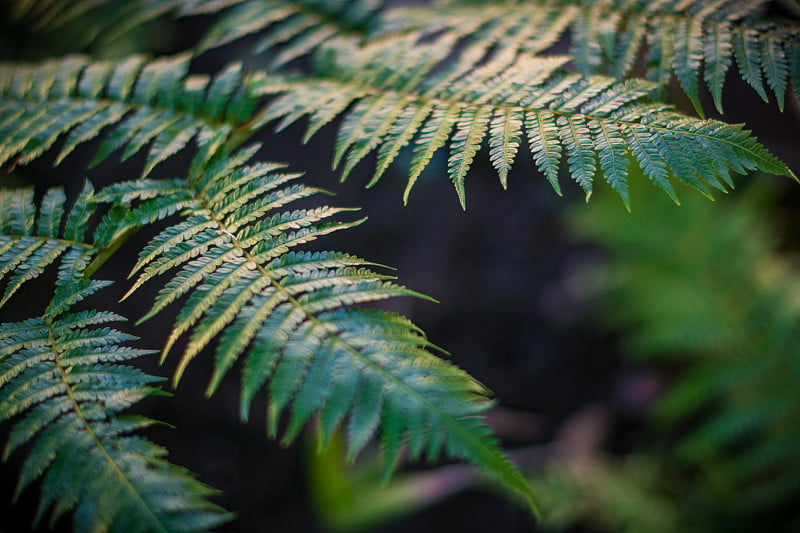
(442, 107)
(586, 47)
(660, 56)
(398, 136)
(296, 27)
(432, 136)
(606, 37)
(626, 50)
(294, 319)
(61, 378)
(77, 223)
(142, 102)
(579, 149)
(30, 242)
(524, 28)
(647, 155)
(51, 212)
(793, 57)
(364, 127)
(544, 144)
(612, 153)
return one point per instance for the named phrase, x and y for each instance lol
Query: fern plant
(233, 242)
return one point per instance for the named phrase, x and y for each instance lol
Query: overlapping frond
(689, 40)
(33, 237)
(92, 18)
(683, 38)
(141, 102)
(62, 378)
(733, 397)
(297, 28)
(399, 92)
(290, 28)
(294, 318)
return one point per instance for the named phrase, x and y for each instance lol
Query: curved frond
(293, 318)
(297, 28)
(683, 38)
(401, 92)
(141, 102)
(62, 376)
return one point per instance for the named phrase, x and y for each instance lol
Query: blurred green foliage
(708, 295)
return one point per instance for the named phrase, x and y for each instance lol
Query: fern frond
(61, 376)
(293, 319)
(31, 239)
(388, 96)
(297, 28)
(141, 102)
(607, 37)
